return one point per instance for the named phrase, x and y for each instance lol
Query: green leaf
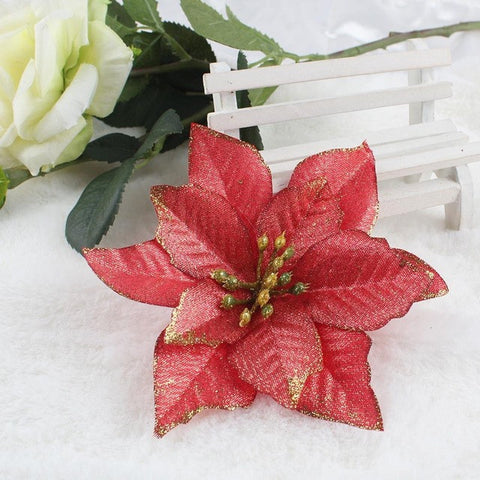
(144, 12)
(133, 87)
(156, 50)
(119, 28)
(249, 134)
(16, 176)
(138, 111)
(193, 43)
(159, 96)
(188, 80)
(3, 187)
(114, 147)
(177, 49)
(98, 205)
(117, 11)
(119, 20)
(231, 31)
(168, 123)
(258, 96)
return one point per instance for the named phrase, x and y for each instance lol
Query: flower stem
(391, 39)
(17, 176)
(248, 285)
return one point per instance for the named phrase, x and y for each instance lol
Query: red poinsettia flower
(273, 293)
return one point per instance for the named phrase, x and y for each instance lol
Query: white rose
(59, 65)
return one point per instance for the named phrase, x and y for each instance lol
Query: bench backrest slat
(325, 69)
(281, 112)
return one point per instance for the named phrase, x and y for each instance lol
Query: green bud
(270, 281)
(4, 182)
(231, 283)
(288, 253)
(245, 317)
(262, 242)
(263, 297)
(277, 263)
(220, 275)
(285, 278)
(267, 310)
(299, 288)
(229, 301)
(136, 51)
(280, 241)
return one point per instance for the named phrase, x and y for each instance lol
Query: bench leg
(459, 214)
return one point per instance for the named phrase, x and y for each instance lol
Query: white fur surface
(76, 398)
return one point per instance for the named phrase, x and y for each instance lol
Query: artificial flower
(273, 293)
(59, 65)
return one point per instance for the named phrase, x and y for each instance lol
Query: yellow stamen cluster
(266, 284)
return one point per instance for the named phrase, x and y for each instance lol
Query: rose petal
(356, 282)
(189, 379)
(71, 105)
(56, 39)
(341, 391)
(278, 355)
(97, 9)
(61, 148)
(141, 272)
(18, 44)
(199, 317)
(28, 107)
(231, 168)
(7, 92)
(7, 137)
(113, 61)
(351, 177)
(307, 214)
(436, 287)
(202, 232)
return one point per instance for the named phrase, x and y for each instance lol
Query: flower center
(267, 285)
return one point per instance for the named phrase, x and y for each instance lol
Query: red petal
(351, 177)
(278, 355)
(436, 286)
(190, 379)
(202, 232)
(141, 272)
(356, 282)
(200, 319)
(307, 214)
(231, 168)
(341, 390)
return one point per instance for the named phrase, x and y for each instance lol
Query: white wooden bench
(423, 148)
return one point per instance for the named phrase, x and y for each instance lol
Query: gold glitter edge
(375, 217)
(186, 338)
(379, 424)
(296, 383)
(426, 295)
(110, 284)
(162, 430)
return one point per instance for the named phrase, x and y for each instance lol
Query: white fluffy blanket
(76, 395)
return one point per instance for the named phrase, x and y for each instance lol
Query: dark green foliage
(249, 134)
